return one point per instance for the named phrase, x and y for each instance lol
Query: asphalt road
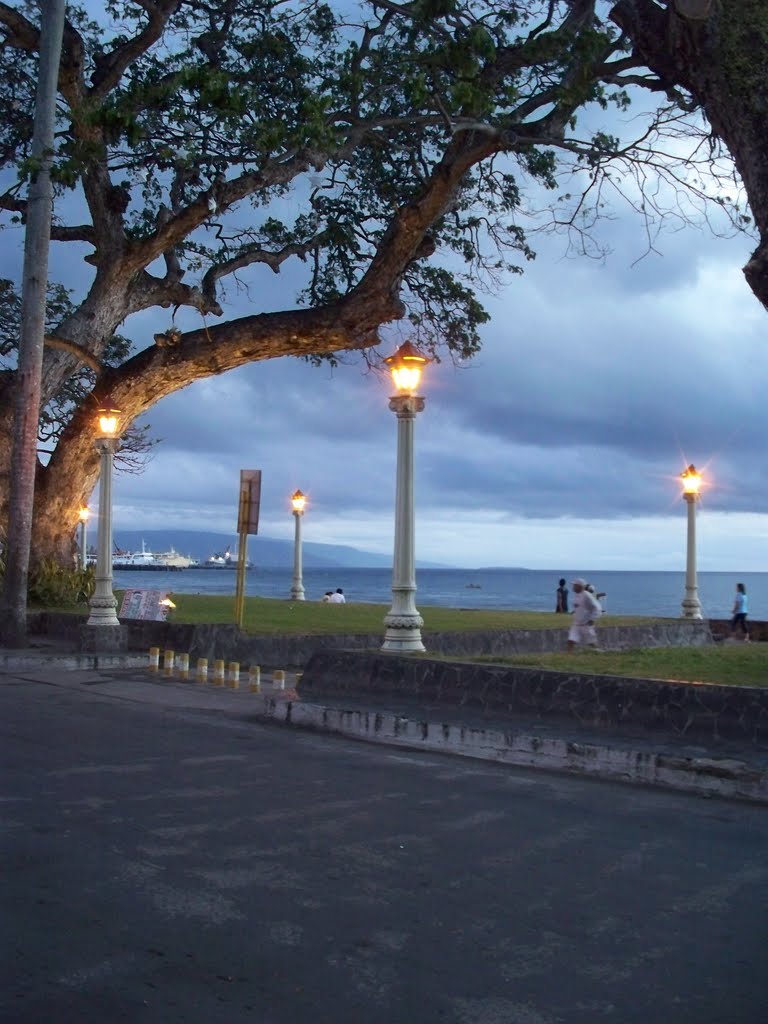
(175, 866)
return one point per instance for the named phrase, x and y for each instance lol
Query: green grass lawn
(731, 664)
(735, 664)
(269, 615)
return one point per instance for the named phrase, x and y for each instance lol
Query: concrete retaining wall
(280, 651)
(680, 709)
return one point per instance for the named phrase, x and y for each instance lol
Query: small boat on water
(219, 561)
(149, 561)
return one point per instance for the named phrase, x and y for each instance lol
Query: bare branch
(76, 350)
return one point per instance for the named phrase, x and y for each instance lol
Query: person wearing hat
(586, 610)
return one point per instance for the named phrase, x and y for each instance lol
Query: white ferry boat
(150, 561)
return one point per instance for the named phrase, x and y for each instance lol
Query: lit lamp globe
(298, 500)
(406, 367)
(107, 423)
(691, 483)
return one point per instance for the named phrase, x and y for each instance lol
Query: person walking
(586, 611)
(561, 597)
(598, 594)
(740, 609)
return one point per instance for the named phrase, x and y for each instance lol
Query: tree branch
(76, 350)
(110, 67)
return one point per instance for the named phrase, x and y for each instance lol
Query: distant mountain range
(268, 552)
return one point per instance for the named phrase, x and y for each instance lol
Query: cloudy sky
(559, 446)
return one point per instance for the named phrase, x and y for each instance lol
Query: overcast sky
(560, 446)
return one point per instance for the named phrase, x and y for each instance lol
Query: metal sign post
(247, 522)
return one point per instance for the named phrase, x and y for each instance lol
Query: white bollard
(278, 679)
(202, 670)
(154, 659)
(183, 666)
(168, 659)
(233, 675)
(254, 679)
(218, 672)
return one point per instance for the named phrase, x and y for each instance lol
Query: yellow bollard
(254, 679)
(218, 672)
(278, 679)
(182, 665)
(168, 658)
(154, 659)
(202, 670)
(234, 675)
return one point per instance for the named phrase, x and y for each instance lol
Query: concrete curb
(72, 662)
(707, 776)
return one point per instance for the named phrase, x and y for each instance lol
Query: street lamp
(403, 622)
(691, 485)
(298, 500)
(103, 602)
(85, 515)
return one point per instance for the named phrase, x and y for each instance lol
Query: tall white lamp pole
(298, 500)
(85, 515)
(103, 602)
(403, 622)
(691, 485)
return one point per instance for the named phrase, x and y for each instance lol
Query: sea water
(627, 593)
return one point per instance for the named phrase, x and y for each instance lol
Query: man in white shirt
(586, 610)
(338, 597)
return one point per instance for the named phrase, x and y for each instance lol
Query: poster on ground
(144, 604)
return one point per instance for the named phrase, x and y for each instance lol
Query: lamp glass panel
(406, 378)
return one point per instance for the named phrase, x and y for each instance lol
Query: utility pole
(13, 605)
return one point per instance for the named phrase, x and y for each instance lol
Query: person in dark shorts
(740, 609)
(561, 597)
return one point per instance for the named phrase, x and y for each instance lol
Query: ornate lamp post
(85, 515)
(403, 623)
(298, 500)
(103, 602)
(691, 485)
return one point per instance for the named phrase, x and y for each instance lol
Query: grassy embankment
(737, 664)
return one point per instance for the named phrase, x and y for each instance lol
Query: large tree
(397, 149)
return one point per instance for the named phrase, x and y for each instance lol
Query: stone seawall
(696, 710)
(288, 651)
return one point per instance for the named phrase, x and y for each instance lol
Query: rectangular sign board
(250, 499)
(144, 604)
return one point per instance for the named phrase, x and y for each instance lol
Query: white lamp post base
(691, 607)
(403, 633)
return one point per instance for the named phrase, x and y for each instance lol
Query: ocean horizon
(627, 592)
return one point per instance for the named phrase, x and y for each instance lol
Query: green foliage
(54, 586)
(233, 87)
(304, 130)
